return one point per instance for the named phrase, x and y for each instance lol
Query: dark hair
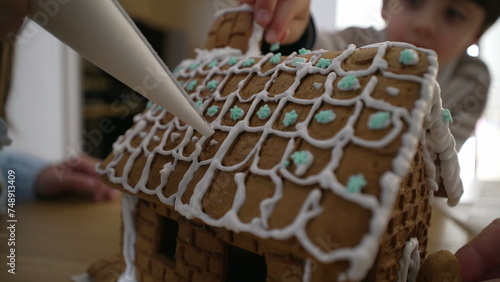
(492, 12)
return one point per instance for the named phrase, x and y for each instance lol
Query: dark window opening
(243, 266)
(168, 242)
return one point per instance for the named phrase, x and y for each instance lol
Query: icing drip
(129, 203)
(435, 137)
(409, 263)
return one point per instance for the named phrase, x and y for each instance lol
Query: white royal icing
(434, 135)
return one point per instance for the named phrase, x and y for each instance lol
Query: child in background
(447, 26)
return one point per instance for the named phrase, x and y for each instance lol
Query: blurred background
(62, 105)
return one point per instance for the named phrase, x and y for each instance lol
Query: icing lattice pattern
(298, 139)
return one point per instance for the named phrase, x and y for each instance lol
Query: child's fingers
(480, 256)
(264, 11)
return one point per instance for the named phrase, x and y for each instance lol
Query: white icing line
(129, 206)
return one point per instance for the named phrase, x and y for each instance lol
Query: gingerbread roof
(304, 145)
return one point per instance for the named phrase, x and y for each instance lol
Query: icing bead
(149, 105)
(325, 116)
(408, 57)
(177, 69)
(264, 112)
(199, 103)
(236, 113)
(275, 47)
(232, 61)
(356, 183)
(297, 61)
(349, 82)
(212, 111)
(212, 84)
(447, 117)
(191, 85)
(276, 59)
(290, 118)
(248, 62)
(286, 163)
(323, 63)
(379, 120)
(214, 63)
(303, 51)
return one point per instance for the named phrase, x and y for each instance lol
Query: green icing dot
(191, 85)
(303, 51)
(286, 163)
(325, 116)
(248, 62)
(212, 84)
(264, 112)
(323, 63)
(194, 66)
(232, 61)
(446, 114)
(236, 113)
(276, 59)
(199, 103)
(177, 69)
(300, 157)
(379, 120)
(349, 82)
(212, 111)
(149, 105)
(356, 183)
(290, 118)
(408, 57)
(296, 61)
(275, 47)
(214, 63)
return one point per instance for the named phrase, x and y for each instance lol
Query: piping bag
(102, 32)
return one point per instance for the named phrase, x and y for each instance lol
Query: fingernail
(262, 17)
(271, 36)
(285, 35)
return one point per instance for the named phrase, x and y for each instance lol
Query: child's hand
(480, 258)
(75, 175)
(284, 20)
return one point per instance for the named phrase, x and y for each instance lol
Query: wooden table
(60, 238)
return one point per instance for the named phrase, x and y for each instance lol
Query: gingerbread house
(322, 167)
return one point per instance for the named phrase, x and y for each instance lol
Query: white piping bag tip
(102, 32)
